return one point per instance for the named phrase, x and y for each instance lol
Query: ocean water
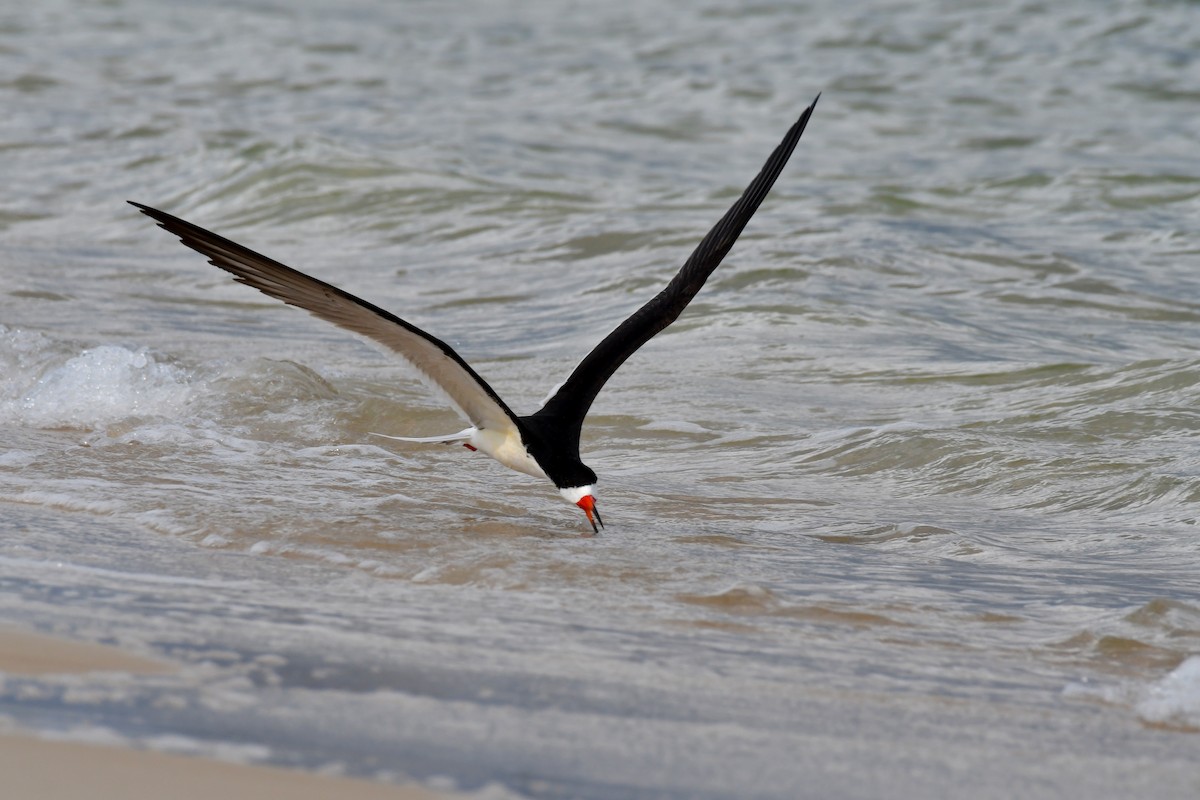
(904, 505)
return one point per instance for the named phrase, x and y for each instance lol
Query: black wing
(442, 368)
(571, 402)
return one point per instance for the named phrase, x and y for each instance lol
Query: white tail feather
(451, 438)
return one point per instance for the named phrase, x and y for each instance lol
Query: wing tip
(802, 122)
(163, 219)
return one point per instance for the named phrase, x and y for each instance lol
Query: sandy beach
(24, 652)
(39, 769)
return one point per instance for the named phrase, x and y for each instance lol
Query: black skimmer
(544, 444)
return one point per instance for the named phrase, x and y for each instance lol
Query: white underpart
(574, 494)
(504, 446)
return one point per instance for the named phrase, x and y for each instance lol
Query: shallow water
(905, 503)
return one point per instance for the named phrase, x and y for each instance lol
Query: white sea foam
(75, 499)
(98, 386)
(1174, 700)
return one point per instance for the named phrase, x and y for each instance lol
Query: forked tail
(451, 438)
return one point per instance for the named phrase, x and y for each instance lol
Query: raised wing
(571, 403)
(443, 368)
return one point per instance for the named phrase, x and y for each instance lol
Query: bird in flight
(544, 444)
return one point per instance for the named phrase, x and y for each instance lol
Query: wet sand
(38, 769)
(34, 769)
(27, 653)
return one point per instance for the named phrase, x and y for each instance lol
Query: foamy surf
(1173, 701)
(92, 388)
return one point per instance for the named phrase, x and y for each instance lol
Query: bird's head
(585, 498)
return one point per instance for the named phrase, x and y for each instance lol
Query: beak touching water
(588, 504)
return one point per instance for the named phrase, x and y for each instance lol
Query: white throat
(576, 493)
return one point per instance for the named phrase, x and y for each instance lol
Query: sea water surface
(905, 504)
